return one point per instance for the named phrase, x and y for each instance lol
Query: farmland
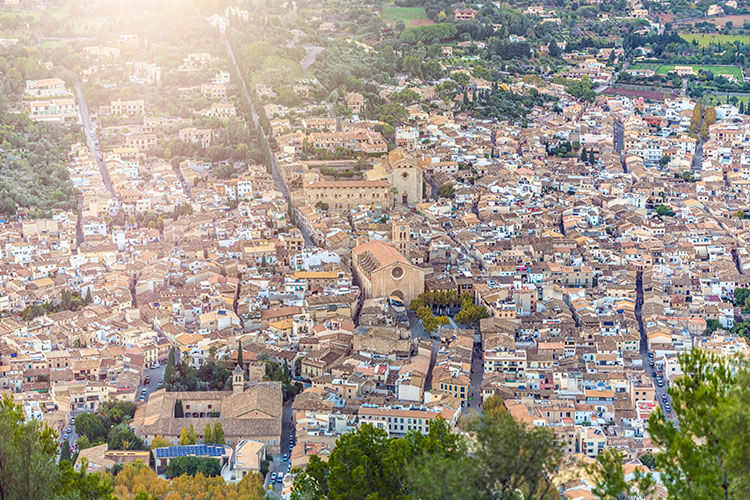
(663, 69)
(410, 15)
(704, 39)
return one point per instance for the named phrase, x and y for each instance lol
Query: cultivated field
(707, 38)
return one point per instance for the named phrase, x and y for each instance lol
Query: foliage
(582, 89)
(191, 466)
(706, 455)
(494, 406)
(504, 105)
(69, 301)
(431, 33)
(281, 373)
(664, 210)
(160, 442)
(33, 169)
(28, 467)
(122, 437)
(609, 478)
(211, 376)
(447, 190)
(369, 464)
(471, 313)
(135, 479)
(506, 459)
(213, 434)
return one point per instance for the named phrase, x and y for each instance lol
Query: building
(383, 272)
(253, 412)
(405, 176)
(127, 107)
(57, 109)
(347, 194)
(48, 87)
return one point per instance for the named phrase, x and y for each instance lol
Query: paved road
(155, 375)
(278, 465)
(660, 392)
(275, 172)
(91, 139)
(475, 384)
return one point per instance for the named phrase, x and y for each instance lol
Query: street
(278, 465)
(475, 384)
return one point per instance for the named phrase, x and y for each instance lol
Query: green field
(725, 70)
(403, 13)
(663, 69)
(706, 38)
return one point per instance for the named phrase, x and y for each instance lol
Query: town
(234, 232)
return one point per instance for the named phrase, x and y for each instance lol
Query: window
(397, 272)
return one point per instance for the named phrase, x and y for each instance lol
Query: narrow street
(91, 140)
(275, 172)
(660, 393)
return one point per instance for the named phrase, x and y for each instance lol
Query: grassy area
(707, 38)
(716, 70)
(714, 100)
(643, 66)
(403, 13)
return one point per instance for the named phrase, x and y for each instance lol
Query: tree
(192, 436)
(554, 49)
(494, 406)
(510, 457)
(169, 369)
(609, 478)
(239, 355)
(88, 300)
(218, 434)
(664, 210)
(191, 466)
(28, 452)
(160, 442)
(179, 412)
(65, 451)
(91, 426)
(207, 434)
(447, 190)
(82, 485)
(184, 439)
(697, 460)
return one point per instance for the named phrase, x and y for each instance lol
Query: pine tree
(591, 156)
(218, 434)
(178, 411)
(239, 356)
(88, 300)
(742, 107)
(583, 155)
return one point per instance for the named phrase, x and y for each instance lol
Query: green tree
(27, 454)
(179, 412)
(510, 457)
(697, 460)
(192, 436)
(218, 434)
(609, 478)
(159, 442)
(91, 426)
(447, 190)
(240, 360)
(664, 210)
(207, 434)
(494, 406)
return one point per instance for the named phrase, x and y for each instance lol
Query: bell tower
(400, 237)
(238, 380)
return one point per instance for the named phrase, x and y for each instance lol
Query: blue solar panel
(194, 449)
